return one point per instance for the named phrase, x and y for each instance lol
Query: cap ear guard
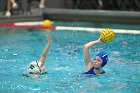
(31, 66)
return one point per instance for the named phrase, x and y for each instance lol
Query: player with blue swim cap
(95, 67)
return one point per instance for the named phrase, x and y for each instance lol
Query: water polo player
(38, 67)
(96, 67)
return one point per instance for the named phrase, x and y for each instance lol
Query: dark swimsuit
(91, 72)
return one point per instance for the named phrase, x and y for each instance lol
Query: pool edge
(76, 15)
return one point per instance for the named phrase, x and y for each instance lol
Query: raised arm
(87, 57)
(45, 51)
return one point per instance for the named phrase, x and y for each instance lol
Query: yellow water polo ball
(47, 23)
(107, 35)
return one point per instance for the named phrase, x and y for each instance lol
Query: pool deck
(76, 15)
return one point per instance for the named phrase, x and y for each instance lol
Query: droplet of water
(15, 54)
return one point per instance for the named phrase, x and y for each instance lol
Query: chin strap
(38, 66)
(96, 68)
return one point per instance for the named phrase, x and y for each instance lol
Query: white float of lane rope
(124, 31)
(90, 29)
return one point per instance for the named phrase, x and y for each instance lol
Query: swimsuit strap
(91, 71)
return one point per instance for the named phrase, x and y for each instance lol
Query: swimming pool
(18, 47)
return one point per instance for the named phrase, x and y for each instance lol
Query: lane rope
(27, 25)
(38, 25)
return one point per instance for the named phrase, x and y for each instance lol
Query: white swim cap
(34, 68)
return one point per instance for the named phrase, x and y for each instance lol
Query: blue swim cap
(104, 58)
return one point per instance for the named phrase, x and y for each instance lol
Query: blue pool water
(18, 47)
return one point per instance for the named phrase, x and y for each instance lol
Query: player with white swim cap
(38, 67)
